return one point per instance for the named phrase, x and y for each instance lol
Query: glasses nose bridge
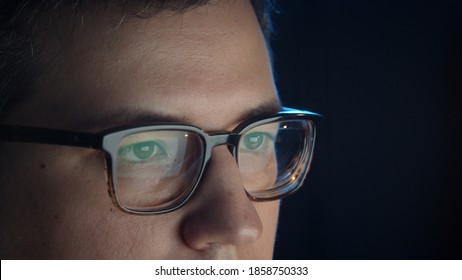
(219, 139)
(222, 139)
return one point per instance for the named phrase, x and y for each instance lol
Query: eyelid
(130, 142)
(265, 133)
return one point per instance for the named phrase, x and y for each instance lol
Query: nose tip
(202, 232)
(223, 214)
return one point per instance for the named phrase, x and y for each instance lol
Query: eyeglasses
(155, 169)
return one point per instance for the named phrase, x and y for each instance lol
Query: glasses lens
(157, 170)
(274, 157)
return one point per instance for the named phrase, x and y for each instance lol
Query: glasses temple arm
(50, 136)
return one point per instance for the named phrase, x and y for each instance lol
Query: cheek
(258, 173)
(61, 209)
(268, 212)
(45, 189)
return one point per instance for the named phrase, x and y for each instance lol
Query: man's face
(208, 67)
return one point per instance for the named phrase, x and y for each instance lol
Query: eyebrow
(266, 109)
(127, 118)
(130, 117)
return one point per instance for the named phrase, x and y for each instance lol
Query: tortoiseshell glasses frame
(168, 160)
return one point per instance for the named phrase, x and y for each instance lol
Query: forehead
(207, 63)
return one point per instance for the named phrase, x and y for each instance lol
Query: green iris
(144, 150)
(254, 140)
(140, 151)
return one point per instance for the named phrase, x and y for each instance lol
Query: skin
(208, 66)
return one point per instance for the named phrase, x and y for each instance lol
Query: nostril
(195, 236)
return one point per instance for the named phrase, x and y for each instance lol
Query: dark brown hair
(20, 22)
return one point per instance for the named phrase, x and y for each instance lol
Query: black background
(386, 178)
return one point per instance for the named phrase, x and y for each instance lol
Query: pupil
(143, 150)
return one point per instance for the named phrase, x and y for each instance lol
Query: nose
(221, 214)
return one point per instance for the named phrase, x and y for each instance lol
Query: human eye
(257, 140)
(140, 152)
